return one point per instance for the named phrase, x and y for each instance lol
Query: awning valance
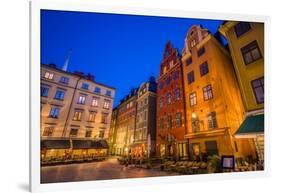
(55, 144)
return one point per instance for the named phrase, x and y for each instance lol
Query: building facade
(171, 126)
(73, 106)
(145, 132)
(246, 43)
(214, 108)
(126, 123)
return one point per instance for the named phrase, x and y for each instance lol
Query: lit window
(207, 92)
(204, 69)
(258, 87)
(195, 123)
(85, 86)
(178, 120)
(88, 132)
(104, 118)
(190, 77)
(54, 112)
(92, 116)
(97, 90)
(192, 99)
(171, 64)
(64, 80)
(73, 132)
(44, 91)
(77, 116)
(59, 95)
(101, 133)
(48, 131)
(108, 93)
(212, 120)
(49, 75)
(95, 102)
(106, 104)
(251, 52)
(81, 100)
(169, 98)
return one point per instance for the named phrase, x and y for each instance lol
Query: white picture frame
(36, 6)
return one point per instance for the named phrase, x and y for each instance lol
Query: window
(207, 92)
(145, 101)
(161, 85)
(241, 28)
(189, 61)
(95, 102)
(192, 99)
(85, 86)
(44, 91)
(108, 93)
(251, 52)
(169, 121)
(193, 43)
(161, 123)
(169, 98)
(48, 131)
(171, 64)
(77, 116)
(106, 104)
(54, 112)
(190, 77)
(104, 118)
(204, 69)
(258, 88)
(81, 100)
(97, 90)
(92, 116)
(64, 80)
(161, 101)
(178, 120)
(177, 94)
(73, 132)
(176, 75)
(212, 120)
(168, 80)
(201, 51)
(101, 133)
(49, 75)
(88, 132)
(59, 95)
(194, 123)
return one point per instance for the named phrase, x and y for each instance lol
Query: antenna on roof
(65, 65)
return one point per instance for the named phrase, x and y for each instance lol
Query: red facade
(170, 104)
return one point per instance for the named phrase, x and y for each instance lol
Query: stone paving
(104, 170)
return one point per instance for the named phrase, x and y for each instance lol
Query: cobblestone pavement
(104, 170)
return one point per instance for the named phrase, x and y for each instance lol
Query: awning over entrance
(251, 127)
(55, 144)
(89, 144)
(76, 144)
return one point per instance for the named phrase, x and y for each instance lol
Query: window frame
(190, 77)
(255, 87)
(204, 68)
(210, 90)
(242, 28)
(247, 49)
(193, 97)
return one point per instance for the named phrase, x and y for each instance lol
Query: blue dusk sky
(119, 50)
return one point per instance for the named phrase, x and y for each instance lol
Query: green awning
(252, 125)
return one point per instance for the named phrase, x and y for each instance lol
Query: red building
(170, 106)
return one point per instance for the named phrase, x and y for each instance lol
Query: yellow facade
(225, 105)
(246, 73)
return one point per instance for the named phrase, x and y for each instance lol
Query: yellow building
(214, 108)
(246, 44)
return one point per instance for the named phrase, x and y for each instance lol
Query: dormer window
(193, 43)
